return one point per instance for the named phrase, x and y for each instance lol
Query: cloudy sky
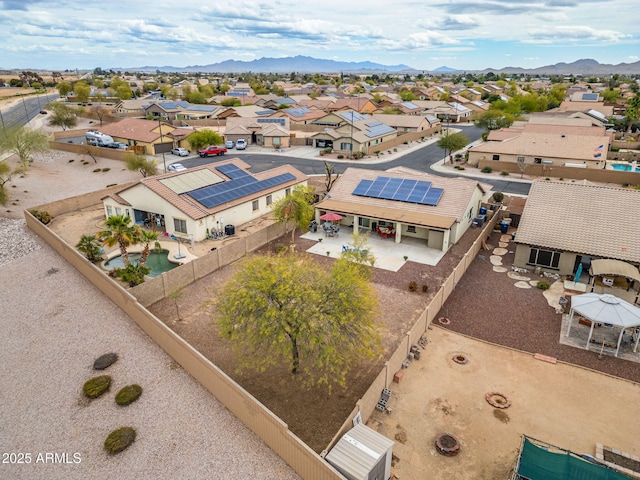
(425, 34)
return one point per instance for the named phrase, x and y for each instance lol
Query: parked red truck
(212, 150)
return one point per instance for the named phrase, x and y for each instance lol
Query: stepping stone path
(517, 276)
(522, 284)
(500, 251)
(505, 238)
(500, 269)
(495, 260)
(503, 244)
(533, 283)
(105, 361)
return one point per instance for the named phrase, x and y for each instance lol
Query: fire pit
(447, 445)
(498, 400)
(460, 358)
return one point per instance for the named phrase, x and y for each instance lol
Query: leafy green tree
(196, 97)
(296, 208)
(5, 177)
(120, 230)
(64, 88)
(90, 246)
(632, 112)
(63, 115)
(407, 95)
(290, 309)
(611, 96)
(230, 102)
(451, 143)
(169, 92)
(24, 142)
(140, 163)
(204, 138)
(224, 88)
(81, 91)
(493, 119)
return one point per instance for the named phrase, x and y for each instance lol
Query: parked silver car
(229, 144)
(181, 152)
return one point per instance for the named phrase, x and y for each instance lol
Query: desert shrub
(413, 286)
(425, 288)
(615, 149)
(328, 150)
(44, 217)
(96, 386)
(487, 169)
(498, 196)
(128, 394)
(97, 170)
(106, 169)
(322, 153)
(543, 285)
(72, 160)
(358, 155)
(376, 153)
(504, 173)
(280, 247)
(460, 167)
(340, 156)
(547, 179)
(119, 439)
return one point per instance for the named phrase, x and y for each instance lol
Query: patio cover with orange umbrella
(331, 217)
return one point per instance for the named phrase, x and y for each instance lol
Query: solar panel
(362, 187)
(433, 196)
(232, 171)
(220, 193)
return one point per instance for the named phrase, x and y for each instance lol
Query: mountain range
(304, 64)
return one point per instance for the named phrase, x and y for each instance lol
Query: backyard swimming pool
(624, 167)
(158, 262)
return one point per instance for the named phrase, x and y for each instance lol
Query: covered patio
(615, 319)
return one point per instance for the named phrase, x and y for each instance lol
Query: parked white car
(241, 144)
(176, 167)
(181, 152)
(229, 144)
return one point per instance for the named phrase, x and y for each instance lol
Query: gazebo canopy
(614, 267)
(607, 309)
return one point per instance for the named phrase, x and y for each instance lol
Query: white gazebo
(607, 309)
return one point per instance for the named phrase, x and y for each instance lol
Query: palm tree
(146, 237)
(90, 246)
(295, 208)
(121, 231)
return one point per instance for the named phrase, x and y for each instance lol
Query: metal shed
(362, 454)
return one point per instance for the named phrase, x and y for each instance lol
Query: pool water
(624, 168)
(157, 262)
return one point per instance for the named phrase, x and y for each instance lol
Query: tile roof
(165, 186)
(136, 129)
(588, 219)
(452, 206)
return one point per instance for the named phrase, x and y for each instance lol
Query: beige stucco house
(192, 203)
(438, 210)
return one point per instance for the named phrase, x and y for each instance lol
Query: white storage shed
(362, 454)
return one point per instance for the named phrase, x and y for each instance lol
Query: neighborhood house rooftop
(400, 189)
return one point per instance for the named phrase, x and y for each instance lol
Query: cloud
(573, 34)
(17, 4)
(453, 22)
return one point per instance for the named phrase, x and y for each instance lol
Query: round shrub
(504, 173)
(96, 386)
(543, 285)
(128, 394)
(119, 439)
(487, 169)
(498, 196)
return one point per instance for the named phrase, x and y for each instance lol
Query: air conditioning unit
(362, 454)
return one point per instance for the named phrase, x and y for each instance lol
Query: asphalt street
(420, 159)
(22, 112)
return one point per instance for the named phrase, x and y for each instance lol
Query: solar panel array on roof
(378, 130)
(400, 189)
(298, 112)
(220, 193)
(280, 121)
(352, 116)
(232, 171)
(590, 96)
(202, 108)
(409, 105)
(264, 112)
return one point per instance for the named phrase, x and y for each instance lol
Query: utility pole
(164, 162)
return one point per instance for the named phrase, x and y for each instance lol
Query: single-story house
(153, 135)
(404, 123)
(192, 203)
(402, 202)
(267, 132)
(565, 224)
(358, 133)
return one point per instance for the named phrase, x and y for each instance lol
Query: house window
(520, 159)
(276, 141)
(180, 226)
(118, 211)
(411, 229)
(255, 205)
(363, 222)
(346, 146)
(537, 160)
(269, 200)
(496, 157)
(287, 192)
(109, 210)
(544, 258)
